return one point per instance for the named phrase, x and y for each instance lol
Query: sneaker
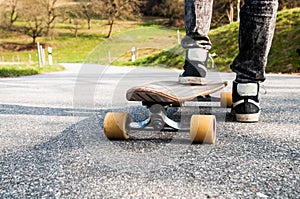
(194, 66)
(245, 105)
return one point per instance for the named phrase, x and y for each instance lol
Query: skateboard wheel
(226, 99)
(116, 125)
(203, 129)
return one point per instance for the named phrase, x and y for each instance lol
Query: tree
(10, 12)
(77, 24)
(33, 12)
(51, 13)
(118, 9)
(173, 10)
(13, 12)
(75, 20)
(230, 11)
(88, 11)
(238, 6)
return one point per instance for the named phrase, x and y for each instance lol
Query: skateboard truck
(157, 121)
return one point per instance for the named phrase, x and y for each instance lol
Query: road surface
(52, 143)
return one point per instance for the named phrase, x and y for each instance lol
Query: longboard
(157, 97)
(172, 92)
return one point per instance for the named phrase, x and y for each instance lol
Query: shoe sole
(192, 80)
(247, 117)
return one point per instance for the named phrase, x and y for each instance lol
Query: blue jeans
(257, 24)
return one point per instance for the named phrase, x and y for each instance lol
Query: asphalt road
(52, 143)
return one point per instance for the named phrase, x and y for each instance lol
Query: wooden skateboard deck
(172, 92)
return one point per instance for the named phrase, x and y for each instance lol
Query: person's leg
(197, 17)
(257, 24)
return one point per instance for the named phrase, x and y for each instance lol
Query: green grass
(225, 45)
(23, 69)
(169, 58)
(74, 50)
(118, 49)
(65, 49)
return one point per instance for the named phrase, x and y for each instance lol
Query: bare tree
(88, 12)
(230, 11)
(88, 9)
(51, 13)
(9, 12)
(32, 11)
(118, 9)
(77, 24)
(74, 16)
(13, 12)
(172, 9)
(238, 6)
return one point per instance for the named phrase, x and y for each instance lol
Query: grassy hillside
(283, 56)
(148, 40)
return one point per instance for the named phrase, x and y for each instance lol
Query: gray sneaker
(195, 66)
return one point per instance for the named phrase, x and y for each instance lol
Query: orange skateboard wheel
(116, 125)
(203, 129)
(226, 99)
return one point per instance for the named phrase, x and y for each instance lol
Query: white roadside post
(137, 53)
(109, 57)
(43, 56)
(39, 54)
(178, 37)
(133, 54)
(50, 59)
